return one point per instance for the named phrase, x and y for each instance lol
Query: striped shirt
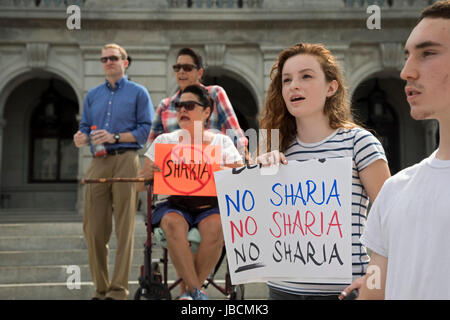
(222, 118)
(364, 149)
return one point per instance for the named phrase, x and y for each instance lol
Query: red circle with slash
(193, 185)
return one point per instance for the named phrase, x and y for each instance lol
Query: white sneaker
(186, 296)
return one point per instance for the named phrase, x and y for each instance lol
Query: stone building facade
(46, 70)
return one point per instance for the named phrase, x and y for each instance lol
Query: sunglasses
(112, 58)
(185, 67)
(188, 105)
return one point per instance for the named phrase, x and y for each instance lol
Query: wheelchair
(154, 284)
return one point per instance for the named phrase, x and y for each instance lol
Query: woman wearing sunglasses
(188, 71)
(177, 214)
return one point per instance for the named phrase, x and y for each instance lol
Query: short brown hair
(123, 52)
(440, 9)
(198, 61)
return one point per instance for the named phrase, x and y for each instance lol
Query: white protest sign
(294, 225)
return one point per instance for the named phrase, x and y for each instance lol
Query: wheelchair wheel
(139, 295)
(152, 288)
(156, 273)
(152, 291)
(237, 292)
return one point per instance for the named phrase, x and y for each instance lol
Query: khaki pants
(102, 202)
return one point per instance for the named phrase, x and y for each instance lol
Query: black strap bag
(193, 204)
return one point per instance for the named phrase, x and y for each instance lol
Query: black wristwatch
(117, 137)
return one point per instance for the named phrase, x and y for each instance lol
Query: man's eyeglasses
(112, 58)
(185, 67)
(188, 105)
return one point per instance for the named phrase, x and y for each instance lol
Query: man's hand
(80, 139)
(102, 136)
(372, 285)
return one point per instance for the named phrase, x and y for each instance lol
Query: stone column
(339, 51)
(431, 128)
(270, 55)
(392, 55)
(2, 125)
(215, 54)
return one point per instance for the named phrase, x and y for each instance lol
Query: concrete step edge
(57, 242)
(58, 291)
(21, 228)
(60, 273)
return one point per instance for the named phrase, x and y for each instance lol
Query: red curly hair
(276, 115)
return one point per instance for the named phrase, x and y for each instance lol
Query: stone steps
(50, 257)
(37, 215)
(60, 291)
(69, 242)
(35, 257)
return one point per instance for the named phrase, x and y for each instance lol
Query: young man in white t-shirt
(407, 228)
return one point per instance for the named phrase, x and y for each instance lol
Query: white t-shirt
(409, 224)
(229, 152)
(364, 149)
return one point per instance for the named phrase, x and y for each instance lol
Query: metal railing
(41, 3)
(222, 4)
(386, 3)
(209, 4)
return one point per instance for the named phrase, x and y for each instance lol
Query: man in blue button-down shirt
(122, 111)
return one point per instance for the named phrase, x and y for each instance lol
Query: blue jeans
(193, 219)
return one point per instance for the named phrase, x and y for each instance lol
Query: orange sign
(186, 169)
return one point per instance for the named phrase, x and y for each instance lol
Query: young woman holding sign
(178, 214)
(307, 102)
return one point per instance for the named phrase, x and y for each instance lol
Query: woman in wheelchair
(177, 214)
